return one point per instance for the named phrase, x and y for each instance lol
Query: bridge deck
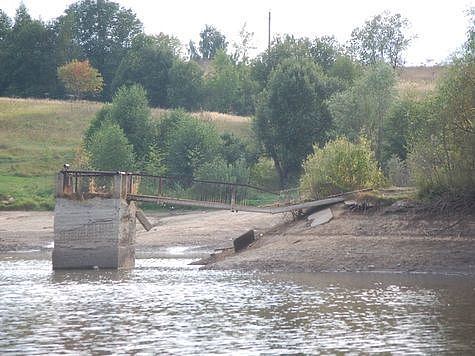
(254, 209)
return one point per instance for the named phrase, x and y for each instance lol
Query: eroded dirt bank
(352, 241)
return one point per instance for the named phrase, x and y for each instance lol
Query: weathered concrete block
(96, 232)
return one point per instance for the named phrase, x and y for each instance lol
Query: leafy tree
(80, 78)
(241, 48)
(192, 145)
(344, 69)
(322, 50)
(383, 38)
(442, 149)
(147, 63)
(229, 87)
(5, 25)
(27, 57)
(282, 49)
(104, 30)
(211, 42)
(470, 44)
(325, 50)
(110, 149)
(185, 86)
(363, 108)
(104, 114)
(131, 112)
(291, 115)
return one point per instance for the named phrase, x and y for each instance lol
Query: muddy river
(165, 306)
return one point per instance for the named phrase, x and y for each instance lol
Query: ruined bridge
(96, 212)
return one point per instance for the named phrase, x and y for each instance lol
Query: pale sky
(440, 25)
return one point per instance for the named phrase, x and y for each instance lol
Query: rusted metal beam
(223, 206)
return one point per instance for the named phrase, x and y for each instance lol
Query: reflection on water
(165, 306)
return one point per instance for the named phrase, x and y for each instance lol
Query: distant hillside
(420, 79)
(38, 136)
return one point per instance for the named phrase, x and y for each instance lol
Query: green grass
(38, 136)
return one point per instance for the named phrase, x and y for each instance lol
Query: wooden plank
(147, 225)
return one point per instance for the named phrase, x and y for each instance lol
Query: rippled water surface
(165, 306)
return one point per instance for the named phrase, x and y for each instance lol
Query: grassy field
(38, 136)
(419, 80)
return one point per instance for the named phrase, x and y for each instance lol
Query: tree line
(212, 75)
(327, 116)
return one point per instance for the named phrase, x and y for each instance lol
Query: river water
(164, 306)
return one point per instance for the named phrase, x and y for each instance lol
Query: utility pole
(268, 39)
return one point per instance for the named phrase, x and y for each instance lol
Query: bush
(110, 150)
(340, 166)
(398, 172)
(219, 170)
(263, 174)
(193, 144)
(442, 150)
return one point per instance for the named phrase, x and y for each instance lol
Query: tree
(211, 42)
(147, 63)
(291, 115)
(104, 31)
(193, 144)
(185, 85)
(110, 150)
(80, 78)
(131, 112)
(363, 108)
(383, 38)
(241, 48)
(229, 87)
(27, 57)
(5, 25)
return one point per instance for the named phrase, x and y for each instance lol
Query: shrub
(263, 174)
(110, 150)
(442, 150)
(340, 166)
(398, 172)
(193, 144)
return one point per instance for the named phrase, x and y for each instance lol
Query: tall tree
(104, 30)
(27, 57)
(291, 115)
(5, 25)
(185, 87)
(147, 63)
(364, 107)
(243, 46)
(383, 38)
(229, 86)
(211, 41)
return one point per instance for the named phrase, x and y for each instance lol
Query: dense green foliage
(382, 38)
(292, 116)
(110, 150)
(442, 149)
(303, 93)
(340, 166)
(363, 108)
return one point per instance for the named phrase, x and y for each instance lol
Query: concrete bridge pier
(93, 229)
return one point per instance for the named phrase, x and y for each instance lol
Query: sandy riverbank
(353, 241)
